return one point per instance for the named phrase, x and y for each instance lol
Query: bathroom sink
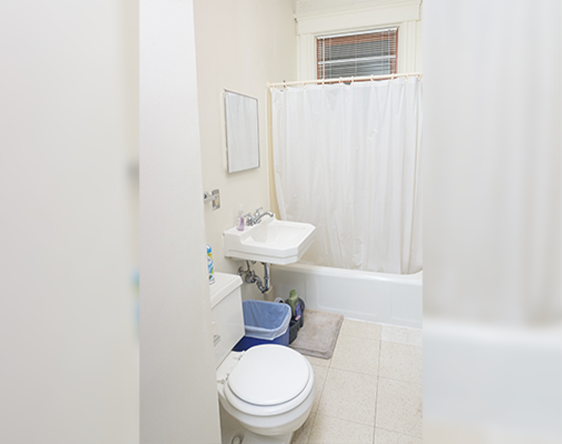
(271, 241)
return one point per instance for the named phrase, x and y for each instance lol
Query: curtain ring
(323, 79)
(341, 80)
(352, 80)
(372, 78)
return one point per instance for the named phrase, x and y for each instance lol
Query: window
(359, 54)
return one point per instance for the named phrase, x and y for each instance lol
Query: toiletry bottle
(240, 219)
(298, 311)
(293, 301)
(210, 265)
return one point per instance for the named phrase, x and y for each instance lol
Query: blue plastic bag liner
(265, 320)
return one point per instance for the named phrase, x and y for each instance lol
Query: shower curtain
(347, 159)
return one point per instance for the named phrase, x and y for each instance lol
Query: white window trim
(405, 15)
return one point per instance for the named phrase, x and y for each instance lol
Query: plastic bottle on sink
(240, 219)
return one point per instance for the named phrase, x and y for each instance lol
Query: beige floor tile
(318, 361)
(402, 335)
(302, 434)
(328, 430)
(320, 374)
(400, 361)
(388, 437)
(399, 406)
(358, 354)
(360, 329)
(349, 396)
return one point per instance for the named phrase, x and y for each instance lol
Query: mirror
(242, 137)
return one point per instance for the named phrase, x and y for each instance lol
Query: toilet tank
(226, 314)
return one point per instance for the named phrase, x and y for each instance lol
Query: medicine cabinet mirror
(242, 137)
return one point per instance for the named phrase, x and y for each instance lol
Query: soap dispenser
(240, 219)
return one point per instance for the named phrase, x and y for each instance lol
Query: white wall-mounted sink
(271, 241)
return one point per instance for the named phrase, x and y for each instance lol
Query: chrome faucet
(257, 217)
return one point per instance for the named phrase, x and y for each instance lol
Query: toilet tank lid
(224, 284)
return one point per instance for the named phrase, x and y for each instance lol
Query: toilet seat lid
(269, 375)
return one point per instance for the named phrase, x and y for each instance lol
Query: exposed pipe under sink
(250, 277)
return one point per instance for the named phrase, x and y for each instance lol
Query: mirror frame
(242, 132)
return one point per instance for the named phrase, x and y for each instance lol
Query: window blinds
(360, 54)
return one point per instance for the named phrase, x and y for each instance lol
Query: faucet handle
(258, 211)
(249, 219)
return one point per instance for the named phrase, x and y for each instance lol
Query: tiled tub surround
(370, 392)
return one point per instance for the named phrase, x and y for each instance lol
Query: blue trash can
(265, 323)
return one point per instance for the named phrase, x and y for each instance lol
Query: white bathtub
(502, 384)
(375, 297)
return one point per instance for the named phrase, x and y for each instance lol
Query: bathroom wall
(240, 46)
(314, 6)
(342, 16)
(69, 371)
(177, 384)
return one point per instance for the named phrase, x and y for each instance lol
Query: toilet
(265, 392)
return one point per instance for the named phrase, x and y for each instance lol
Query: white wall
(178, 390)
(240, 46)
(315, 6)
(69, 371)
(316, 18)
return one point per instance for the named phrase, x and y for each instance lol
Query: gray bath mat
(319, 334)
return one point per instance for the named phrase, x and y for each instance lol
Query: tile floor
(370, 392)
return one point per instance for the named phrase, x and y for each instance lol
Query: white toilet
(266, 392)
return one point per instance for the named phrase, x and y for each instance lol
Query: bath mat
(319, 334)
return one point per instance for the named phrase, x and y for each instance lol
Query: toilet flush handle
(216, 333)
(237, 440)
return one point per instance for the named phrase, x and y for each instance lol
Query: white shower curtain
(492, 147)
(347, 159)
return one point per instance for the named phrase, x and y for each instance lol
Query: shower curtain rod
(344, 79)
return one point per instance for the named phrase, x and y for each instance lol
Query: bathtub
(497, 384)
(367, 296)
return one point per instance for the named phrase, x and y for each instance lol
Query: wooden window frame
(373, 35)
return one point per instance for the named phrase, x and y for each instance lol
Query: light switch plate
(216, 200)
